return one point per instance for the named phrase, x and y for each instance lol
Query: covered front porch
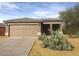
(47, 27)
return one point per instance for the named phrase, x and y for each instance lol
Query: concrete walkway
(16, 46)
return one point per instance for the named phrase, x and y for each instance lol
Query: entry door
(45, 28)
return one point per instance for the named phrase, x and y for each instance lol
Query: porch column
(50, 26)
(61, 27)
(9, 30)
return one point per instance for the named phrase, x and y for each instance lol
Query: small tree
(71, 19)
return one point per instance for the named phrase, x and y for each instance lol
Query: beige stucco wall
(27, 29)
(24, 29)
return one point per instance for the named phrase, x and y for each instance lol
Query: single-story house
(31, 27)
(2, 29)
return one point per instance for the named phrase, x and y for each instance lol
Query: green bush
(60, 43)
(42, 37)
(45, 42)
(56, 41)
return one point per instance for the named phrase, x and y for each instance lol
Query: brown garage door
(24, 30)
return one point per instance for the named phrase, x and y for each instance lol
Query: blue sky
(10, 10)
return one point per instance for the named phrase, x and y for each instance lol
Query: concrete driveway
(16, 46)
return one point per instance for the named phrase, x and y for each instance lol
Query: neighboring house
(31, 27)
(2, 29)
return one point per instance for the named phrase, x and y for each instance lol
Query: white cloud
(52, 16)
(45, 14)
(40, 13)
(8, 5)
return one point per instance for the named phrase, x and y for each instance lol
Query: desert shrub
(45, 42)
(42, 37)
(57, 41)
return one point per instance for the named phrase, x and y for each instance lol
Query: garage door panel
(26, 30)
